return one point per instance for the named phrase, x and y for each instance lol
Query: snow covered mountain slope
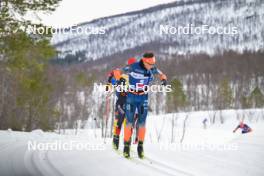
(144, 30)
(218, 152)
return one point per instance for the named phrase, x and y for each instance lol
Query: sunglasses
(150, 64)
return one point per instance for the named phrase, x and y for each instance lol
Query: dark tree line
(220, 81)
(200, 82)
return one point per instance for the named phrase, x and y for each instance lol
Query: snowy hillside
(141, 30)
(214, 150)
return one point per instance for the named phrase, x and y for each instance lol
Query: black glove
(107, 87)
(122, 81)
(164, 82)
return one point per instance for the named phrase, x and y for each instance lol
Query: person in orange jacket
(120, 104)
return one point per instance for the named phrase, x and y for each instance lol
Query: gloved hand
(108, 87)
(164, 82)
(122, 81)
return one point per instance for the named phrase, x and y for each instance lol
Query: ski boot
(115, 142)
(126, 151)
(140, 150)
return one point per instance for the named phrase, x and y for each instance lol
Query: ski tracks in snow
(158, 167)
(17, 160)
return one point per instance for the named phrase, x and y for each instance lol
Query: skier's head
(148, 60)
(241, 124)
(131, 61)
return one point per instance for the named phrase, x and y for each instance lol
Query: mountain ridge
(141, 28)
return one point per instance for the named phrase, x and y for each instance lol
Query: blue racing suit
(139, 77)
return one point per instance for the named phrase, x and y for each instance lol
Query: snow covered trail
(15, 159)
(243, 155)
(246, 160)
